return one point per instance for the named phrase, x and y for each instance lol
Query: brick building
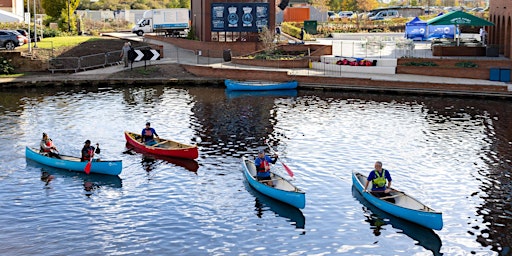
(231, 20)
(500, 13)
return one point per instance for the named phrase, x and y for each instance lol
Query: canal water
(453, 154)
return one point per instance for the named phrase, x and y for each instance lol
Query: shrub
(6, 66)
(467, 64)
(421, 64)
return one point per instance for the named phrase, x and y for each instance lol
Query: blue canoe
(283, 190)
(405, 206)
(232, 85)
(73, 163)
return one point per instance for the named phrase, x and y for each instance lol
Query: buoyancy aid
(264, 166)
(379, 180)
(90, 153)
(49, 144)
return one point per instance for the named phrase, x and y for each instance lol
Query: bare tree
(267, 38)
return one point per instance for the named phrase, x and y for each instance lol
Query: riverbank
(188, 70)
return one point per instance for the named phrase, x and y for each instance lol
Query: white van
(387, 14)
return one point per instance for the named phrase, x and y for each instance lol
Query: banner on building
(239, 17)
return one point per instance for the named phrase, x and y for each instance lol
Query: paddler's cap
(261, 151)
(87, 142)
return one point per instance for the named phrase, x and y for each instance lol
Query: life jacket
(148, 134)
(379, 181)
(264, 166)
(49, 144)
(90, 152)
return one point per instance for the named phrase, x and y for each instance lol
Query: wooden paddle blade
(288, 170)
(88, 167)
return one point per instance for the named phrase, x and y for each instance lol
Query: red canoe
(163, 147)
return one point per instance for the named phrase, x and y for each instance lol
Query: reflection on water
(379, 219)
(264, 204)
(273, 93)
(91, 182)
(149, 161)
(452, 153)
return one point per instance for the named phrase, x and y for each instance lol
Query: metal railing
(93, 61)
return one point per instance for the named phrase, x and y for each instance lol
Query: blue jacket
(147, 134)
(373, 176)
(259, 162)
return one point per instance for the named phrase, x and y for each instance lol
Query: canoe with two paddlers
(405, 206)
(163, 147)
(282, 189)
(72, 163)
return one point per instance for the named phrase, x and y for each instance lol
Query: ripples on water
(452, 154)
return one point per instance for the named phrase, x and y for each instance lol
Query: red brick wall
(238, 74)
(500, 13)
(210, 49)
(448, 68)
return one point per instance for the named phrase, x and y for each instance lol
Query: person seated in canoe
(48, 147)
(379, 177)
(88, 151)
(148, 134)
(262, 164)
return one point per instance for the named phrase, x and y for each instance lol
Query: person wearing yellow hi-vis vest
(379, 177)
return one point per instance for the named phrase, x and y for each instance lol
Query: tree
(60, 10)
(366, 5)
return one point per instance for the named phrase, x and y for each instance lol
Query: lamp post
(28, 10)
(35, 28)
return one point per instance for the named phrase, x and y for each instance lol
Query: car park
(387, 14)
(10, 39)
(346, 14)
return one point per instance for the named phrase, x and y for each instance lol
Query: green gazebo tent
(459, 18)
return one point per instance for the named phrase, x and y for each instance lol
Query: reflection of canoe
(163, 147)
(272, 93)
(74, 164)
(283, 190)
(405, 206)
(282, 209)
(233, 85)
(425, 237)
(188, 164)
(98, 179)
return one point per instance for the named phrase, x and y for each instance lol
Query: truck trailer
(174, 22)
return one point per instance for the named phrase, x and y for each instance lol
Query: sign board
(138, 55)
(239, 17)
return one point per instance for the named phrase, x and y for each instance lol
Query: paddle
(87, 168)
(288, 170)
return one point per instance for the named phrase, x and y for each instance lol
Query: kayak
(405, 206)
(73, 163)
(233, 85)
(282, 189)
(163, 147)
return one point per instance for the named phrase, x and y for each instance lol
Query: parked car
(10, 39)
(23, 33)
(387, 14)
(346, 14)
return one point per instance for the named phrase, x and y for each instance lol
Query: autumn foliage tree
(367, 5)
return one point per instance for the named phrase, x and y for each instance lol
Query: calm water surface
(452, 154)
